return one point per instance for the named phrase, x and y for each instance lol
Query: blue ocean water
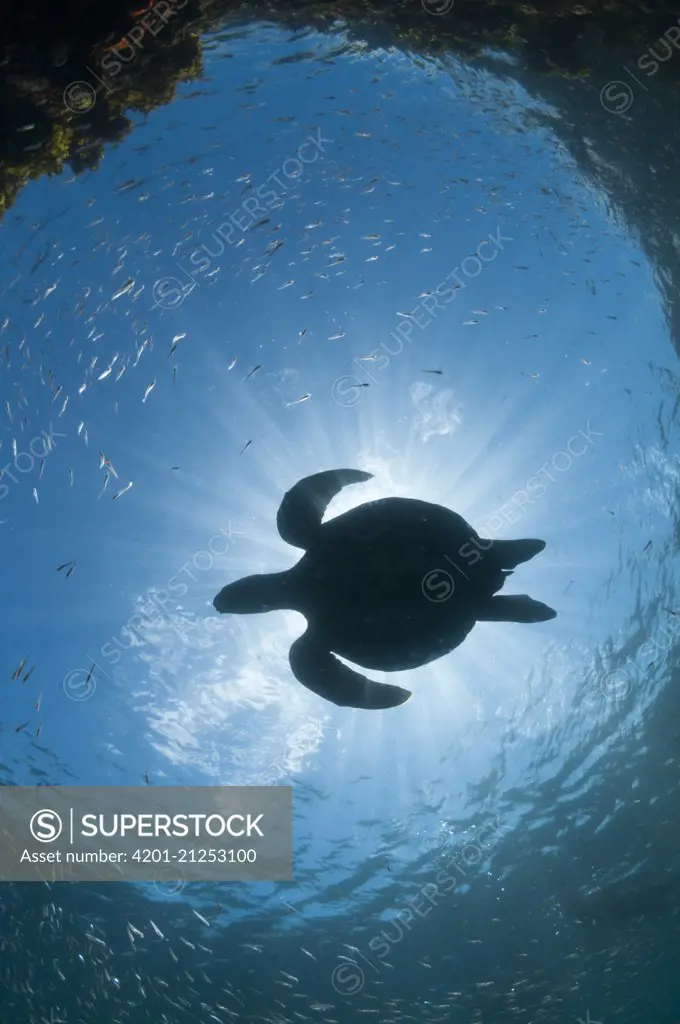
(242, 294)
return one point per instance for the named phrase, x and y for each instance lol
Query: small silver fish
(120, 493)
(148, 391)
(302, 398)
(19, 669)
(127, 287)
(106, 482)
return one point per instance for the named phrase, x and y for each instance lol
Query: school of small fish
(77, 358)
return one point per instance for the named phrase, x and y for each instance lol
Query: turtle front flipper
(299, 517)
(324, 674)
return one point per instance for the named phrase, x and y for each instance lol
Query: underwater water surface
(244, 293)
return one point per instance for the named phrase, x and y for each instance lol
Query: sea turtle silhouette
(390, 585)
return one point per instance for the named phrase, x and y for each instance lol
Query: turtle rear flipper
(301, 511)
(510, 553)
(324, 674)
(518, 608)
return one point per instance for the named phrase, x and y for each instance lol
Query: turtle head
(252, 595)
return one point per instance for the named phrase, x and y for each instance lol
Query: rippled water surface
(459, 278)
